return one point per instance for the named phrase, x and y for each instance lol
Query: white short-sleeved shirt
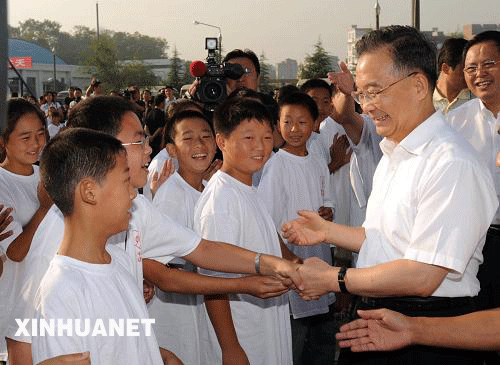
(480, 128)
(150, 235)
(20, 193)
(54, 129)
(156, 165)
(432, 202)
(230, 211)
(177, 315)
(73, 289)
(290, 183)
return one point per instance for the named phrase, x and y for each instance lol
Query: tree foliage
(75, 48)
(316, 65)
(177, 69)
(265, 75)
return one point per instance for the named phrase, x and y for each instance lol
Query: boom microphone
(197, 68)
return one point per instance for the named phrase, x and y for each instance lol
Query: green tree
(177, 68)
(187, 78)
(265, 75)
(136, 73)
(316, 65)
(103, 63)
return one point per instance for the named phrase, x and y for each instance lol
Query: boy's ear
(221, 141)
(445, 68)
(171, 150)
(87, 191)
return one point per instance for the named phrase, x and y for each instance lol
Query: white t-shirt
(432, 202)
(230, 211)
(290, 183)
(54, 129)
(480, 128)
(73, 289)
(150, 235)
(177, 315)
(18, 192)
(156, 165)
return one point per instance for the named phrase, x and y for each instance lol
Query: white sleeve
(163, 238)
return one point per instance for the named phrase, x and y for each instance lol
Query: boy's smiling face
(194, 145)
(296, 125)
(246, 149)
(138, 156)
(116, 194)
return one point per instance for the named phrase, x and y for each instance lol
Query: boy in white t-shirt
(86, 174)
(295, 179)
(244, 329)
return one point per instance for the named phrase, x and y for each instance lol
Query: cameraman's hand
(194, 86)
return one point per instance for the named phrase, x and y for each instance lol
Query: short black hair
(316, 84)
(266, 99)
(169, 131)
(16, 108)
(160, 98)
(409, 48)
(451, 52)
(230, 114)
(100, 113)
(72, 155)
(238, 53)
(302, 99)
(286, 90)
(488, 36)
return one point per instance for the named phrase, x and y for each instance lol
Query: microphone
(197, 68)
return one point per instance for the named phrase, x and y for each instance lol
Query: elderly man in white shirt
(429, 210)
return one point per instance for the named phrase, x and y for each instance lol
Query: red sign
(21, 62)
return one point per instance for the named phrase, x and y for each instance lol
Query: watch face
(211, 43)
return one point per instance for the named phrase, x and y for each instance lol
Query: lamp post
(195, 22)
(54, 56)
(377, 15)
(415, 14)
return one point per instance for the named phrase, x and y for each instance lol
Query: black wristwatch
(341, 280)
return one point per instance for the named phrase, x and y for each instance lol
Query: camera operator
(94, 88)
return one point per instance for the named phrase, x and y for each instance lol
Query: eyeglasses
(369, 96)
(486, 65)
(143, 143)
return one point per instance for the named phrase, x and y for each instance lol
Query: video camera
(213, 76)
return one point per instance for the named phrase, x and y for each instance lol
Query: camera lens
(213, 91)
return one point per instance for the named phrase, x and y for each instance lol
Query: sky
(279, 28)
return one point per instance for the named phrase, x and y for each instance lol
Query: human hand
(5, 219)
(377, 330)
(343, 80)
(71, 359)
(234, 355)
(159, 178)
(194, 86)
(316, 278)
(263, 286)
(148, 291)
(43, 197)
(326, 213)
(340, 152)
(281, 269)
(308, 229)
(212, 169)
(169, 358)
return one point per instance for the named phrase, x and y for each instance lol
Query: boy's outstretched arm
(184, 282)
(382, 329)
(219, 311)
(71, 359)
(310, 229)
(219, 256)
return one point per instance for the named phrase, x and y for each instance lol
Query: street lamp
(377, 15)
(54, 77)
(195, 22)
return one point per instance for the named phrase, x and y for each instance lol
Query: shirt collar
(415, 142)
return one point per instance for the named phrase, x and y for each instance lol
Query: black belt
(494, 230)
(416, 304)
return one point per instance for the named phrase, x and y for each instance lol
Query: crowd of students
(219, 226)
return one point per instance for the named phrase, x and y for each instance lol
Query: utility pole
(377, 15)
(97, 17)
(415, 14)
